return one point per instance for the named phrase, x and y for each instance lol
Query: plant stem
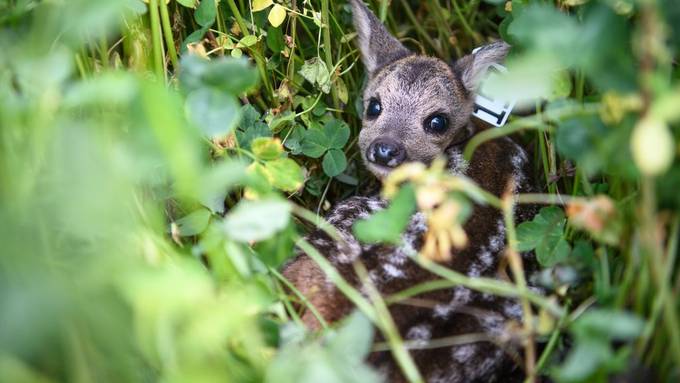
(464, 23)
(534, 122)
(257, 56)
(293, 32)
(653, 253)
(156, 41)
(552, 343)
(327, 48)
(389, 328)
(167, 32)
(301, 297)
(334, 276)
(383, 9)
(419, 28)
(489, 285)
(515, 261)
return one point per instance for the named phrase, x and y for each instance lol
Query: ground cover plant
(160, 160)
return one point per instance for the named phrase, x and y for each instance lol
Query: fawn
(417, 108)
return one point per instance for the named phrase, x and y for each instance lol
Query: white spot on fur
(512, 310)
(486, 257)
(474, 270)
(518, 159)
(348, 251)
(497, 241)
(416, 227)
(457, 162)
(489, 363)
(392, 271)
(449, 376)
(461, 296)
(376, 204)
(422, 332)
(493, 324)
(463, 353)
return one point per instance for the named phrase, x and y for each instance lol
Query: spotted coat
(443, 313)
(411, 88)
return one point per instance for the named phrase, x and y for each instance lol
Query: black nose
(386, 152)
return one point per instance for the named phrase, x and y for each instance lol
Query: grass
(124, 257)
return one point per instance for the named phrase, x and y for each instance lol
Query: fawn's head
(414, 106)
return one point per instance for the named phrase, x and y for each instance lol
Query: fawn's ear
(471, 68)
(378, 47)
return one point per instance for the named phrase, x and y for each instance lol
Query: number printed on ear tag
(493, 111)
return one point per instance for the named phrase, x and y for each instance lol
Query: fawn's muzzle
(386, 152)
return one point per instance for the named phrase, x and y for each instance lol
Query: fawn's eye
(374, 108)
(436, 124)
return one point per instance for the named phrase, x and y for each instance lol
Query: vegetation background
(159, 160)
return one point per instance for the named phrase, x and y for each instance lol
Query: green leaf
(595, 147)
(609, 324)
(316, 72)
(194, 223)
(334, 162)
(550, 256)
(285, 174)
(214, 112)
(194, 37)
(280, 121)
(258, 129)
(277, 15)
(544, 234)
(387, 225)
(337, 133)
(267, 148)
(247, 41)
(275, 40)
(218, 180)
(354, 337)
(235, 76)
(530, 77)
(333, 135)
(341, 88)
(188, 3)
(543, 27)
(205, 13)
(249, 116)
(228, 74)
(583, 360)
(315, 143)
(259, 5)
(294, 139)
(257, 220)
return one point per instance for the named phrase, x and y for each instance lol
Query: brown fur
(411, 88)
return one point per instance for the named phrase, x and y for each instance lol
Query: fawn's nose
(386, 152)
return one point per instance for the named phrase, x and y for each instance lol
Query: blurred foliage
(156, 158)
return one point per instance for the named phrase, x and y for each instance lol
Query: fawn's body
(416, 109)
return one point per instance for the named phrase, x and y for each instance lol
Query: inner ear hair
(378, 47)
(471, 68)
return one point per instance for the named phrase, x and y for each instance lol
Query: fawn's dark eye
(374, 108)
(436, 124)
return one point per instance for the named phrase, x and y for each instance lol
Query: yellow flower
(445, 231)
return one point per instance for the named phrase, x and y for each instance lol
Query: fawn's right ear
(378, 47)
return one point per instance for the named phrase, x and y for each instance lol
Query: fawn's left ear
(471, 68)
(378, 47)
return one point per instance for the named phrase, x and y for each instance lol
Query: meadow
(160, 161)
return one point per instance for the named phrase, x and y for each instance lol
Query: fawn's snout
(386, 152)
